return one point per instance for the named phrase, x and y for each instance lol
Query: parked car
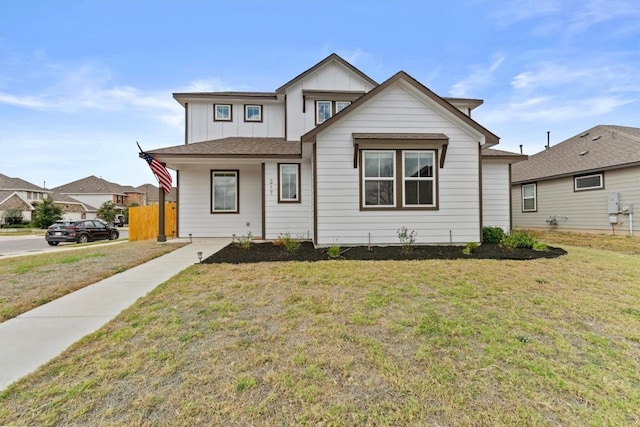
(81, 231)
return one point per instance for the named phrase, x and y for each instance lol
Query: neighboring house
(334, 157)
(18, 194)
(95, 191)
(150, 192)
(590, 182)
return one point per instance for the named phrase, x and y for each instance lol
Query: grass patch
(467, 342)
(30, 281)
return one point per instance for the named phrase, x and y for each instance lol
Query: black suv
(81, 231)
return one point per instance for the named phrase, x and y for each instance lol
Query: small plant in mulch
(245, 242)
(407, 238)
(519, 240)
(469, 248)
(334, 252)
(291, 244)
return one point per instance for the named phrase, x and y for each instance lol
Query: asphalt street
(34, 244)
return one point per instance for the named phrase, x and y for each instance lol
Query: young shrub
(519, 239)
(492, 235)
(407, 238)
(469, 248)
(279, 242)
(291, 244)
(333, 252)
(245, 242)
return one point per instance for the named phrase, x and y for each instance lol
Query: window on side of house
(253, 113)
(418, 178)
(224, 191)
(588, 182)
(378, 178)
(529, 202)
(289, 183)
(222, 113)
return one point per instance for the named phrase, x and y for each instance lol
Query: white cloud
(479, 77)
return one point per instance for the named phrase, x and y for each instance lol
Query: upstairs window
(253, 113)
(222, 112)
(327, 109)
(529, 203)
(588, 182)
(289, 183)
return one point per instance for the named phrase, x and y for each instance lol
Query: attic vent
(595, 138)
(582, 153)
(584, 134)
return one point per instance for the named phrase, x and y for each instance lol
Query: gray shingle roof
(599, 148)
(90, 185)
(235, 146)
(8, 183)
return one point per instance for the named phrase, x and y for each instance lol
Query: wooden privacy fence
(143, 221)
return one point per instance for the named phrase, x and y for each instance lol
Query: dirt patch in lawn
(268, 252)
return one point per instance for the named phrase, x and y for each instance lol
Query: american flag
(161, 172)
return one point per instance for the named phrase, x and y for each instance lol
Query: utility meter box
(613, 205)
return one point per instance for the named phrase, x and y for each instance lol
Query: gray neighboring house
(95, 191)
(590, 182)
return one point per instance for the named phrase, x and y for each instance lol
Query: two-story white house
(336, 158)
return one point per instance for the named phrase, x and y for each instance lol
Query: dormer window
(222, 113)
(326, 109)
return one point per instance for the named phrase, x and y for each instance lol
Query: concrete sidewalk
(37, 336)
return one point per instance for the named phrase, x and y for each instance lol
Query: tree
(107, 212)
(46, 213)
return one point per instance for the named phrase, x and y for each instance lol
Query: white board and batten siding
(581, 210)
(331, 77)
(202, 127)
(195, 203)
(296, 219)
(496, 195)
(340, 220)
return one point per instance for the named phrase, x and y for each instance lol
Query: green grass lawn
(468, 342)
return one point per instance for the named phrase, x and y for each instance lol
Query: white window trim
(534, 197)
(318, 118)
(432, 179)
(378, 178)
(598, 187)
(218, 118)
(213, 191)
(338, 103)
(281, 182)
(246, 113)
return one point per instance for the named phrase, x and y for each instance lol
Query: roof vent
(582, 153)
(584, 134)
(595, 138)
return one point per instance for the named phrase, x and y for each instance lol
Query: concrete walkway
(37, 336)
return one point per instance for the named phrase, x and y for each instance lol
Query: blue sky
(82, 81)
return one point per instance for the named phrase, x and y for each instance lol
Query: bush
(469, 248)
(519, 239)
(245, 242)
(46, 213)
(492, 235)
(333, 252)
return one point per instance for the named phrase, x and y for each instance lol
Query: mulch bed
(267, 252)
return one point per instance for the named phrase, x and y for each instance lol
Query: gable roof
(491, 139)
(13, 200)
(493, 154)
(8, 183)
(331, 58)
(599, 148)
(90, 185)
(233, 147)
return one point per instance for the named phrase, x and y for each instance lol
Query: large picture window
(379, 178)
(224, 189)
(289, 183)
(529, 203)
(418, 178)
